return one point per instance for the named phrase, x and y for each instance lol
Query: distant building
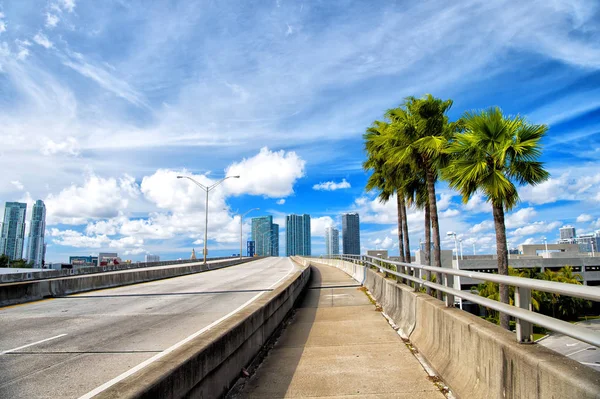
(83, 261)
(275, 240)
(152, 258)
(297, 235)
(350, 234)
(588, 242)
(378, 253)
(265, 235)
(36, 249)
(193, 256)
(332, 241)
(250, 251)
(108, 258)
(13, 230)
(567, 235)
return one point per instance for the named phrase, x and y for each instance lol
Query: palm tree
(425, 132)
(383, 178)
(492, 156)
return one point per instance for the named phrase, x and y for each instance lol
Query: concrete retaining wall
(49, 273)
(207, 366)
(15, 293)
(477, 359)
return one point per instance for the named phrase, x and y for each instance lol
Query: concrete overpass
(202, 334)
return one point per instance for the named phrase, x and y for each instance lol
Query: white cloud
(268, 173)
(535, 228)
(584, 218)
(449, 213)
(22, 48)
(318, 225)
(486, 225)
(17, 184)
(386, 243)
(519, 218)
(42, 40)
(68, 5)
(478, 204)
(97, 198)
(68, 147)
(281, 201)
(331, 185)
(444, 201)
(51, 20)
(572, 185)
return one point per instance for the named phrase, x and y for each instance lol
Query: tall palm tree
(426, 130)
(386, 180)
(494, 155)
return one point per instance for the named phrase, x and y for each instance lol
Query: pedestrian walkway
(338, 345)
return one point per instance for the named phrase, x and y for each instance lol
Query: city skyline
(281, 100)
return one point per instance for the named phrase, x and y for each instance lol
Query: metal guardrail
(522, 311)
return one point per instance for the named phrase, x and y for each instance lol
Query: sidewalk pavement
(339, 346)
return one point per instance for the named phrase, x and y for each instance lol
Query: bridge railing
(521, 311)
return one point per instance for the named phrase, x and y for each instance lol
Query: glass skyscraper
(297, 235)
(36, 249)
(265, 235)
(332, 241)
(350, 234)
(13, 230)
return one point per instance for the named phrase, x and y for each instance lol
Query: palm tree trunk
(502, 254)
(435, 225)
(400, 230)
(428, 243)
(405, 228)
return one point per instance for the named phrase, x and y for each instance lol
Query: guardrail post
(524, 328)
(449, 282)
(417, 274)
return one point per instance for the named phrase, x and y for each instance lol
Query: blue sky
(104, 103)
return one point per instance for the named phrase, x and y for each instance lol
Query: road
(584, 353)
(67, 347)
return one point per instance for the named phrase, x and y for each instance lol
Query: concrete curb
(28, 291)
(208, 365)
(477, 359)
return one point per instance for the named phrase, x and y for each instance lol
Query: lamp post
(546, 245)
(263, 240)
(207, 189)
(461, 248)
(241, 233)
(456, 278)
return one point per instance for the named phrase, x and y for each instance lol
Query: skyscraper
(332, 241)
(567, 235)
(350, 234)
(265, 235)
(275, 240)
(13, 230)
(297, 235)
(35, 247)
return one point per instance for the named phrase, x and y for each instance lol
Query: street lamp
(270, 243)
(241, 223)
(546, 244)
(456, 278)
(453, 234)
(207, 189)
(461, 248)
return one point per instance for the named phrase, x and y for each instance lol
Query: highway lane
(107, 332)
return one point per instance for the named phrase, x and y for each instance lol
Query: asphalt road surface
(68, 347)
(586, 354)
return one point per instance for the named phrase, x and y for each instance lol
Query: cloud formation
(331, 185)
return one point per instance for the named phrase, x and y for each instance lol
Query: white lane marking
(162, 354)
(580, 350)
(28, 345)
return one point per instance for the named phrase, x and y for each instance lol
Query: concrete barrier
(477, 359)
(50, 273)
(15, 293)
(207, 366)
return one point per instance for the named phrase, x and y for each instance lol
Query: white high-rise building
(332, 241)
(36, 249)
(152, 258)
(567, 235)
